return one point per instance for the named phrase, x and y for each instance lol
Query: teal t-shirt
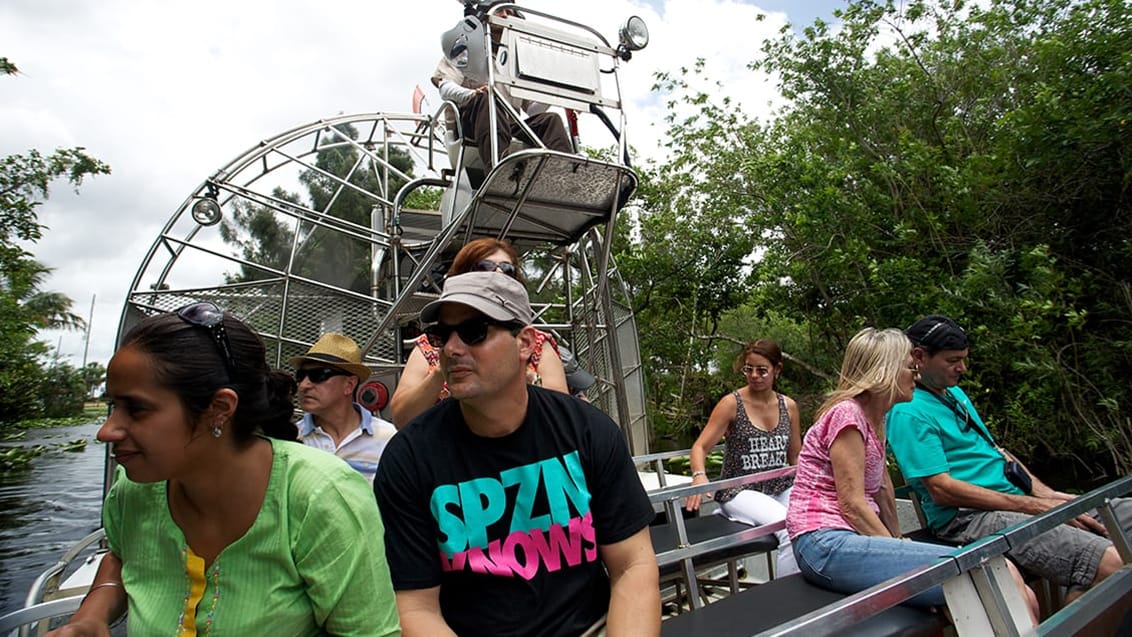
(928, 438)
(312, 563)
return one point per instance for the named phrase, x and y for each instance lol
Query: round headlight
(206, 211)
(634, 35)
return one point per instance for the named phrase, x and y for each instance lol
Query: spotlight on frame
(633, 36)
(206, 211)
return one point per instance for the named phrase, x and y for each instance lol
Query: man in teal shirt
(951, 461)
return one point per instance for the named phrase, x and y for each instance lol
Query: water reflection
(46, 508)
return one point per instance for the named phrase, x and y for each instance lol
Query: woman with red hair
(422, 384)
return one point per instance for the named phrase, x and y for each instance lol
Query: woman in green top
(215, 528)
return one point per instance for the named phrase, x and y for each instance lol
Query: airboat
(348, 224)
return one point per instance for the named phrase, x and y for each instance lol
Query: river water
(46, 508)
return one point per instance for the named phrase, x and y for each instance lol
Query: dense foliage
(320, 253)
(946, 157)
(31, 386)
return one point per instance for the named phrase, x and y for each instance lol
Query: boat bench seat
(778, 601)
(701, 529)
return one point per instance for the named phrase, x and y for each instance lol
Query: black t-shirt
(509, 527)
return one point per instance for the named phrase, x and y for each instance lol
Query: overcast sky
(166, 93)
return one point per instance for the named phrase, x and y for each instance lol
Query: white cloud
(167, 93)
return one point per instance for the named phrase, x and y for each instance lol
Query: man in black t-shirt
(506, 504)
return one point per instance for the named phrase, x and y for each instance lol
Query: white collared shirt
(361, 448)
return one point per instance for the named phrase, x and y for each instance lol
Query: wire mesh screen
(305, 241)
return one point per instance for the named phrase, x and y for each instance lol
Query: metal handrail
(980, 557)
(668, 455)
(685, 551)
(39, 612)
(692, 551)
(833, 618)
(657, 461)
(1074, 618)
(685, 490)
(35, 593)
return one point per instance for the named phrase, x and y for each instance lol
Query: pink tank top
(813, 503)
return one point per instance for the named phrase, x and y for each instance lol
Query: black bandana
(939, 332)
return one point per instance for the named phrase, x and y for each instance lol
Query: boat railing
(50, 579)
(26, 618)
(686, 552)
(979, 589)
(46, 597)
(672, 497)
(656, 461)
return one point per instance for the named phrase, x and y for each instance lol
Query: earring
(217, 430)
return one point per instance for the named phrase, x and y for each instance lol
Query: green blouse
(312, 563)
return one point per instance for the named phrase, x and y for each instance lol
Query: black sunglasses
(471, 331)
(211, 318)
(318, 374)
(487, 265)
(952, 403)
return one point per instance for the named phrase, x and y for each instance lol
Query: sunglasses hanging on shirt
(1012, 470)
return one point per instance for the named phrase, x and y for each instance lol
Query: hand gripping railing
(686, 552)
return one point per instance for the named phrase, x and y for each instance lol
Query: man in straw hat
(509, 508)
(328, 375)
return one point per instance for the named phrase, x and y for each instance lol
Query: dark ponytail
(188, 361)
(277, 417)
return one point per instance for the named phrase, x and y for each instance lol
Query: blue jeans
(847, 562)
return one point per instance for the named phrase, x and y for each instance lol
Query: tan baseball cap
(494, 294)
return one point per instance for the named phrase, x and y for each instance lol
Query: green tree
(685, 252)
(261, 237)
(933, 157)
(321, 252)
(42, 309)
(25, 307)
(93, 375)
(62, 391)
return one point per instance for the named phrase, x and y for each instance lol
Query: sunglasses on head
(487, 265)
(318, 374)
(211, 318)
(471, 331)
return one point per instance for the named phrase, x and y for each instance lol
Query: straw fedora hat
(335, 350)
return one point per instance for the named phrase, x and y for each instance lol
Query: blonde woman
(842, 514)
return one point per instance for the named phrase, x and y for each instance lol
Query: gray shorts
(1064, 555)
